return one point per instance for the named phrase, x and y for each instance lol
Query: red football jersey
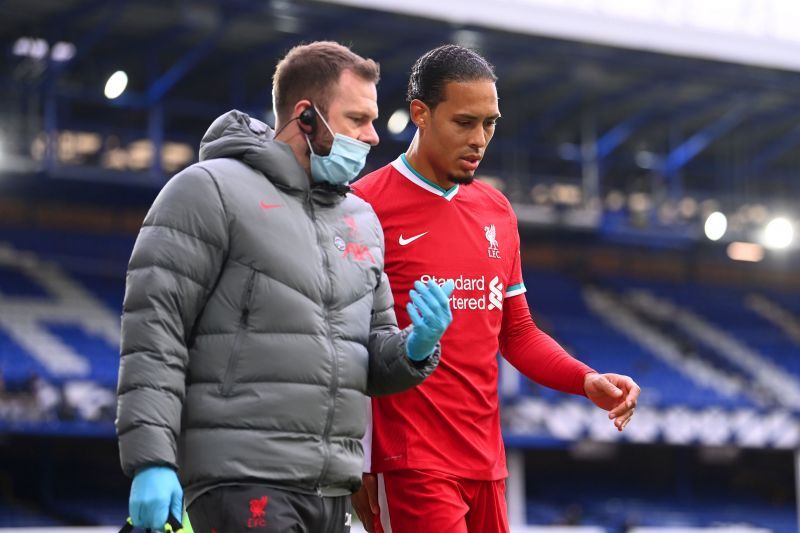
(468, 233)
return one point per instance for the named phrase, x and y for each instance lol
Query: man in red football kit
(437, 449)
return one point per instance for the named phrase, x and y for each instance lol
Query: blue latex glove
(155, 494)
(429, 311)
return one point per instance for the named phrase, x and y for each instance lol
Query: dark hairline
(458, 79)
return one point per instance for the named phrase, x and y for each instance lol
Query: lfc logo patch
(491, 236)
(356, 250)
(258, 518)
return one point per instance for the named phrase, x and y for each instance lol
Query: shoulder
(235, 182)
(192, 203)
(362, 212)
(359, 209)
(223, 175)
(194, 181)
(224, 169)
(492, 198)
(371, 185)
(495, 206)
(353, 204)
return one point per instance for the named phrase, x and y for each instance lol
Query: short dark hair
(310, 70)
(444, 64)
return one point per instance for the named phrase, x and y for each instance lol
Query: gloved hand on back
(429, 311)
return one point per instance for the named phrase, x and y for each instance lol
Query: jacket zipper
(244, 318)
(334, 359)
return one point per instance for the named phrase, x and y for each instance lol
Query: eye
(464, 123)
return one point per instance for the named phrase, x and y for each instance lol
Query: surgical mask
(345, 160)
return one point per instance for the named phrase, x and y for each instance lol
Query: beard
(321, 142)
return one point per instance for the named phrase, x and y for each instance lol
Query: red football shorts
(417, 501)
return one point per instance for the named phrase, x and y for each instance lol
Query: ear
(299, 107)
(420, 113)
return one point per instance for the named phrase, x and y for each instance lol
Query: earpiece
(309, 118)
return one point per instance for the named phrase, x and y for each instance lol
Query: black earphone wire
(309, 122)
(284, 126)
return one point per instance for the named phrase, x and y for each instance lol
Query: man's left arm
(541, 359)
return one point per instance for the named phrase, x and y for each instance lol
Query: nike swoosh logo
(265, 205)
(404, 242)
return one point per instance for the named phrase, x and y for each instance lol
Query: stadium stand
(695, 348)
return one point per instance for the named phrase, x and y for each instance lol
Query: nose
(369, 135)
(478, 138)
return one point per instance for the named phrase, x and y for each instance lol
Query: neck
(297, 142)
(422, 164)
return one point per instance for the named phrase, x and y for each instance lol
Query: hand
(155, 494)
(365, 501)
(615, 393)
(429, 311)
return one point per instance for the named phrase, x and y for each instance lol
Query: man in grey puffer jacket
(257, 316)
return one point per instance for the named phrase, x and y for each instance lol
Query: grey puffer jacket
(256, 318)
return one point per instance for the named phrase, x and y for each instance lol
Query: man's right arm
(176, 261)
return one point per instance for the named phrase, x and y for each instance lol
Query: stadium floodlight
(116, 84)
(22, 47)
(62, 51)
(38, 48)
(716, 225)
(33, 47)
(779, 233)
(398, 122)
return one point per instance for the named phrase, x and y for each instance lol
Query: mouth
(470, 163)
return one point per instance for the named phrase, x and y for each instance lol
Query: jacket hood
(236, 135)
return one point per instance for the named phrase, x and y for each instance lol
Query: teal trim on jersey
(452, 190)
(514, 290)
